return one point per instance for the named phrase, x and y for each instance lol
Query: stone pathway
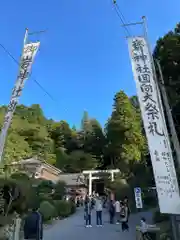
(73, 228)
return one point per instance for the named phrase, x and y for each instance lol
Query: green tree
(95, 140)
(16, 148)
(167, 52)
(59, 190)
(62, 159)
(63, 136)
(125, 141)
(85, 122)
(79, 161)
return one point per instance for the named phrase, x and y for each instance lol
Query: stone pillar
(90, 184)
(112, 176)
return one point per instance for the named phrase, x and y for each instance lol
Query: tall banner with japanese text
(155, 127)
(27, 58)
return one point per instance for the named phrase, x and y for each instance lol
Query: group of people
(118, 210)
(89, 204)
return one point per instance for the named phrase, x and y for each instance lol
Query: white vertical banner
(27, 58)
(155, 127)
(138, 197)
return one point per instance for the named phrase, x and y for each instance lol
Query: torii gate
(91, 172)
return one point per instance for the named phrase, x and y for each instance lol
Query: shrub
(26, 194)
(45, 186)
(63, 208)
(20, 176)
(21, 190)
(45, 197)
(47, 210)
(160, 217)
(59, 190)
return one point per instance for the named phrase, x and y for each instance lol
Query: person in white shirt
(144, 227)
(98, 207)
(117, 209)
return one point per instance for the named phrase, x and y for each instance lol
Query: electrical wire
(34, 79)
(121, 17)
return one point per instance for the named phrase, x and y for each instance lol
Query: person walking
(117, 210)
(33, 226)
(87, 211)
(111, 211)
(124, 217)
(98, 207)
(126, 202)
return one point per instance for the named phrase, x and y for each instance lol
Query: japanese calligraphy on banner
(27, 58)
(155, 127)
(138, 197)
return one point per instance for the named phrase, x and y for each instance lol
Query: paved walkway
(73, 228)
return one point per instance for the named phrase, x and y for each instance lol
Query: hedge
(63, 208)
(47, 210)
(59, 208)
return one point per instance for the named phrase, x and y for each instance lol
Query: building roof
(34, 161)
(28, 161)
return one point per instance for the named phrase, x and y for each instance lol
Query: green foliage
(17, 148)
(21, 190)
(29, 193)
(59, 190)
(45, 187)
(63, 208)
(62, 159)
(126, 142)
(72, 150)
(47, 210)
(167, 51)
(79, 161)
(121, 188)
(20, 176)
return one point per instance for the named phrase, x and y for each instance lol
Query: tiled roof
(35, 162)
(28, 161)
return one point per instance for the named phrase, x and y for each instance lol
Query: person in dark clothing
(33, 226)
(126, 202)
(87, 212)
(124, 217)
(111, 211)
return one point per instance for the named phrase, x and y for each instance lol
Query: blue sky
(83, 60)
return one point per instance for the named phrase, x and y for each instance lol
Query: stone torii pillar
(112, 176)
(90, 183)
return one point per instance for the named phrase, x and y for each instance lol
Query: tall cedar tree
(126, 143)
